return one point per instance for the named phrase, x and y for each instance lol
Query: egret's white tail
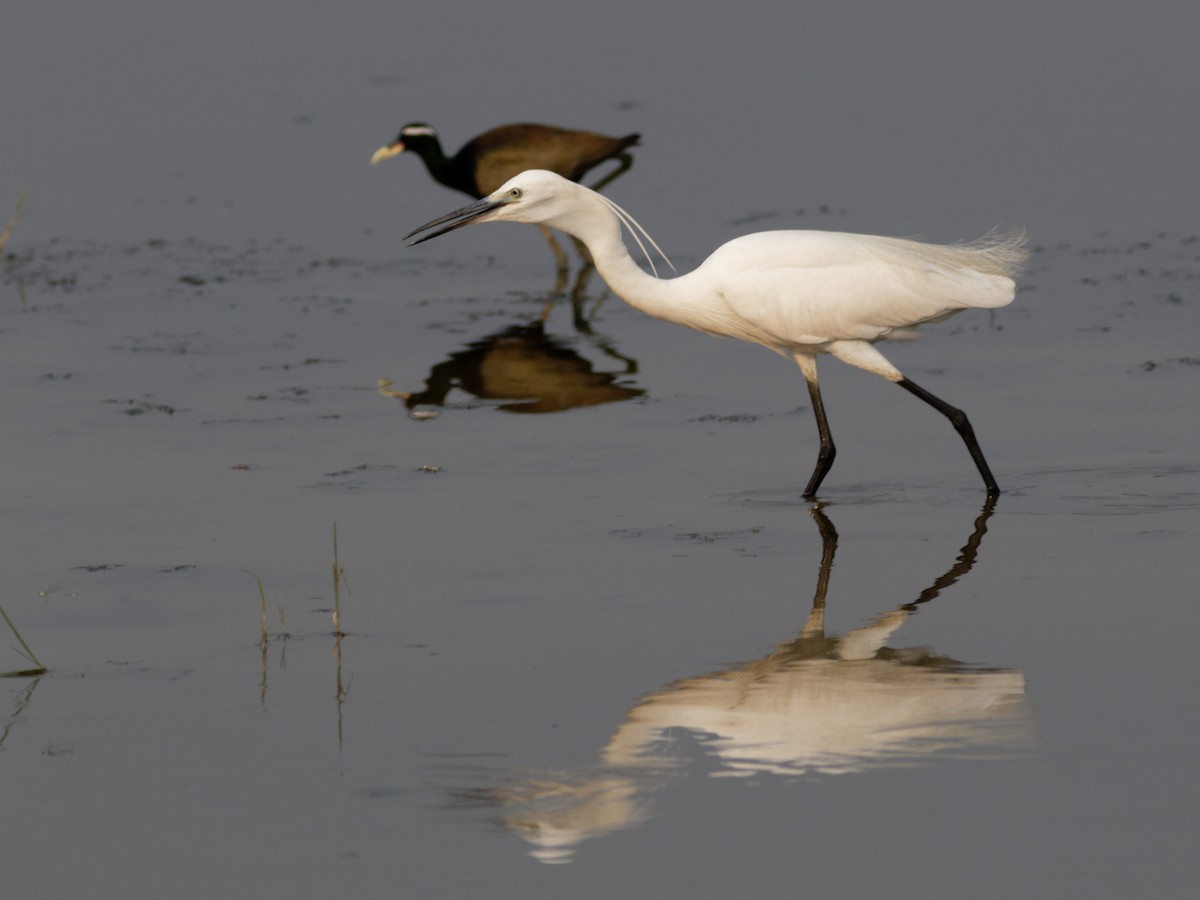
(997, 253)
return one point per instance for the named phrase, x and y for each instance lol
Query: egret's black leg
(827, 452)
(958, 419)
(812, 635)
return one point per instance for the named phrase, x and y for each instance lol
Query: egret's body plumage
(799, 293)
(806, 289)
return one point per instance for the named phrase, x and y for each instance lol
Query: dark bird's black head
(415, 136)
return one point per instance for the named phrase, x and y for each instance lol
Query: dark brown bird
(488, 160)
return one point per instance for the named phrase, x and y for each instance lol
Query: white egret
(799, 293)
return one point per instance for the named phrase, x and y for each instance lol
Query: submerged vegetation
(339, 579)
(339, 576)
(25, 651)
(12, 222)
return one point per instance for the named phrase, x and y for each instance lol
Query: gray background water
(208, 279)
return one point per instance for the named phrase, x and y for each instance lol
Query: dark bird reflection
(530, 371)
(819, 705)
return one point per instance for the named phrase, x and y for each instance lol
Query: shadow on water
(530, 371)
(819, 705)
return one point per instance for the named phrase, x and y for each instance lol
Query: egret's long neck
(591, 221)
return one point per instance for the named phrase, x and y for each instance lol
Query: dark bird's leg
(958, 419)
(584, 253)
(579, 299)
(561, 262)
(825, 457)
(560, 255)
(625, 160)
(579, 289)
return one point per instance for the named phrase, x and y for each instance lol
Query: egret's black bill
(456, 219)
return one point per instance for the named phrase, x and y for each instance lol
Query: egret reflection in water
(819, 705)
(526, 369)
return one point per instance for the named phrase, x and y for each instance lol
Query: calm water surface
(597, 646)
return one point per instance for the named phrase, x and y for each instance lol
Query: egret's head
(534, 196)
(412, 136)
(544, 198)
